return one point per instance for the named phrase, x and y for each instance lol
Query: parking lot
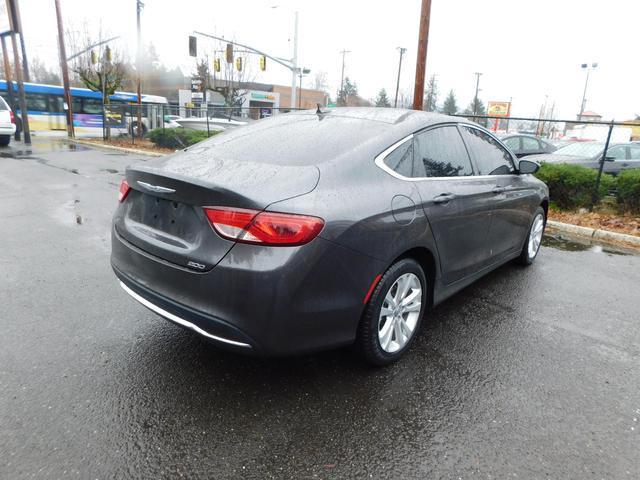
(529, 373)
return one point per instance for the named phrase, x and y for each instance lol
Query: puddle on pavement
(573, 244)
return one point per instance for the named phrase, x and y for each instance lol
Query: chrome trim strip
(178, 320)
(155, 188)
(379, 160)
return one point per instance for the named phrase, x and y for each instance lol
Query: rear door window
(530, 144)
(3, 104)
(439, 152)
(491, 158)
(512, 142)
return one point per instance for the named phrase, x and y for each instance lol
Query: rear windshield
(3, 104)
(298, 139)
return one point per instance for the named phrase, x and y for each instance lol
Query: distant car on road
(620, 156)
(312, 230)
(7, 123)
(523, 145)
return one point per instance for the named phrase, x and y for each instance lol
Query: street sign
(197, 96)
(193, 46)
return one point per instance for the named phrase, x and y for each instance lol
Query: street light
(294, 59)
(302, 72)
(402, 52)
(588, 68)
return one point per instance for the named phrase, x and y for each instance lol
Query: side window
(77, 105)
(401, 159)
(92, 105)
(634, 152)
(439, 152)
(530, 144)
(512, 142)
(490, 156)
(36, 102)
(619, 153)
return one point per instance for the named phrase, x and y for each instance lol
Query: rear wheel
(534, 238)
(394, 313)
(4, 140)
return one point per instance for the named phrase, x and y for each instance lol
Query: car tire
(532, 243)
(383, 339)
(5, 140)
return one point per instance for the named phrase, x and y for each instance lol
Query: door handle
(498, 190)
(444, 198)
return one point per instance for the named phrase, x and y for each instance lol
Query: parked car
(7, 123)
(620, 156)
(523, 145)
(170, 121)
(346, 227)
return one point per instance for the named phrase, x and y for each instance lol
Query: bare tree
(320, 81)
(101, 68)
(229, 81)
(40, 73)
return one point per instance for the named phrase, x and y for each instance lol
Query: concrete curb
(602, 235)
(118, 149)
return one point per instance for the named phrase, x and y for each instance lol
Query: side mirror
(528, 166)
(609, 159)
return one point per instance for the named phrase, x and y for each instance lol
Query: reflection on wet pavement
(575, 244)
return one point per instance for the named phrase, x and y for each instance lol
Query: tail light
(13, 118)
(124, 190)
(264, 228)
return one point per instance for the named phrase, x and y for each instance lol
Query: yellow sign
(499, 109)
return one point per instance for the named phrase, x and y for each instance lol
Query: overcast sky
(526, 50)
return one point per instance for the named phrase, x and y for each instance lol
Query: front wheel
(393, 314)
(534, 238)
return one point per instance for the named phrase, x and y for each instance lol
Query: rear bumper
(269, 301)
(7, 129)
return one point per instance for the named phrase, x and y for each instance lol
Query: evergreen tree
(431, 95)
(350, 89)
(382, 100)
(476, 107)
(450, 106)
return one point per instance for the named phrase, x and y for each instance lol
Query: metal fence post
(603, 159)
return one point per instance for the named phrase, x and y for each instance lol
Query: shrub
(177, 137)
(572, 186)
(629, 190)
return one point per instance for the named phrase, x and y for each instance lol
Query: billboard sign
(499, 109)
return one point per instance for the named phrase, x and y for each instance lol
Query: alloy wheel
(400, 313)
(535, 235)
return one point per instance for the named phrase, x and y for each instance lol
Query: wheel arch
(427, 260)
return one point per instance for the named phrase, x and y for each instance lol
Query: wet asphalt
(529, 373)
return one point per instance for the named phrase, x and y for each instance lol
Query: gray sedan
(318, 229)
(620, 157)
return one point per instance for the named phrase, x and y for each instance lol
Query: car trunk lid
(163, 213)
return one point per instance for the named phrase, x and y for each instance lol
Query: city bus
(45, 106)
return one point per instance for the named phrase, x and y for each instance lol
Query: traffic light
(107, 54)
(263, 63)
(94, 57)
(239, 64)
(216, 65)
(229, 53)
(193, 46)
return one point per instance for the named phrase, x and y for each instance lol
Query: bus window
(36, 102)
(77, 105)
(92, 105)
(55, 104)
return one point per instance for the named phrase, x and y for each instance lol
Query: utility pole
(7, 72)
(344, 53)
(421, 60)
(24, 116)
(139, 6)
(475, 98)
(402, 52)
(294, 61)
(586, 83)
(65, 72)
(18, 29)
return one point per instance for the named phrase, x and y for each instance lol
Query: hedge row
(573, 186)
(177, 137)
